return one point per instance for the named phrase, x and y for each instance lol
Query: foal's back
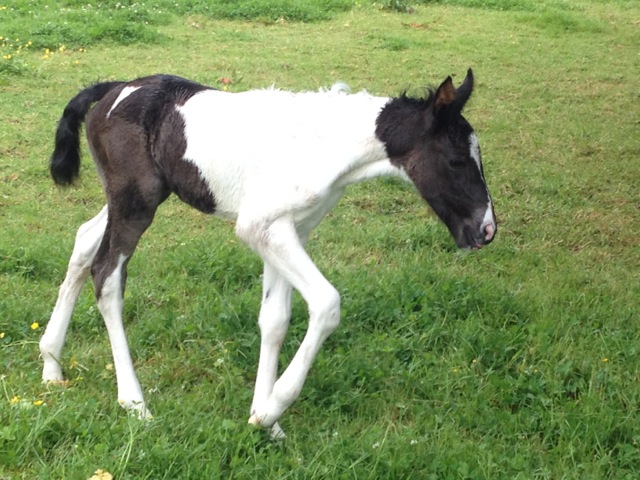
(220, 151)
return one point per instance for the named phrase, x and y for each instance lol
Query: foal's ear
(445, 95)
(449, 101)
(464, 91)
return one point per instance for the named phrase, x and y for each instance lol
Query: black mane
(401, 120)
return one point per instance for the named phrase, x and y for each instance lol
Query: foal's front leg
(275, 313)
(280, 246)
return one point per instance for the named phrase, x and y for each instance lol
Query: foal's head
(438, 149)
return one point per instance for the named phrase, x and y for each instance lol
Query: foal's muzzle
(474, 238)
(489, 232)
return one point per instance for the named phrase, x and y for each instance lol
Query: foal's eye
(457, 163)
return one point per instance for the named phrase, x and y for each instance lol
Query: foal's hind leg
(88, 239)
(131, 211)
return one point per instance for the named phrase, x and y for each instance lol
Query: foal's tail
(64, 164)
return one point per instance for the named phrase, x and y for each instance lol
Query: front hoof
(136, 408)
(52, 374)
(254, 420)
(275, 432)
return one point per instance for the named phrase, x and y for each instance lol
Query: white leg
(280, 246)
(275, 313)
(88, 239)
(110, 304)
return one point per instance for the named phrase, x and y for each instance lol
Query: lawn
(520, 361)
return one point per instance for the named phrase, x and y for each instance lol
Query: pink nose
(489, 232)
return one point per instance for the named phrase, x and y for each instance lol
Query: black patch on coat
(133, 205)
(402, 122)
(151, 110)
(182, 176)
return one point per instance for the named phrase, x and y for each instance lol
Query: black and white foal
(276, 162)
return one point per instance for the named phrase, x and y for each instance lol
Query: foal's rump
(136, 137)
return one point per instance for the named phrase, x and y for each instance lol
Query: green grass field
(521, 361)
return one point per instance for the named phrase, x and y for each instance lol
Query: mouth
(469, 241)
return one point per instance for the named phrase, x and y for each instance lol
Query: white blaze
(474, 151)
(126, 91)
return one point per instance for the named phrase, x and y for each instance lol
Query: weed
(11, 56)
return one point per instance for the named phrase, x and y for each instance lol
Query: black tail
(64, 164)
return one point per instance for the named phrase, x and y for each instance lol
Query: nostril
(489, 232)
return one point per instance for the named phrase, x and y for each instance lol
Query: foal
(276, 162)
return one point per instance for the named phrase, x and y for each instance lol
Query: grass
(520, 361)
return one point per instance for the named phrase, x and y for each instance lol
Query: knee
(324, 313)
(274, 322)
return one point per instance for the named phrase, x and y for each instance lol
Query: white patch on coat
(275, 153)
(126, 91)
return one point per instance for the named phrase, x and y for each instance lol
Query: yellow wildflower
(37, 403)
(101, 475)
(14, 400)
(1, 335)
(35, 326)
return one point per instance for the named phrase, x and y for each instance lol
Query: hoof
(52, 373)
(137, 409)
(275, 432)
(57, 383)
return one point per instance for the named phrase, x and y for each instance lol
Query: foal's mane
(420, 102)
